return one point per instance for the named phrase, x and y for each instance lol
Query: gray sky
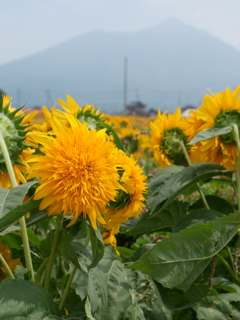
(30, 26)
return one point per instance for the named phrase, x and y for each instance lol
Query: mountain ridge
(169, 64)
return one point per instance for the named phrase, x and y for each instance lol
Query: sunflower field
(120, 217)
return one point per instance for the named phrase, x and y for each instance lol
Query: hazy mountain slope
(168, 64)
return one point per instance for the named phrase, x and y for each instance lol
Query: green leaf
(218, 307)
(194, 217)
(180, 181)
(97, 246)
(178, 260)
(215, 203)
(225, 284)
(20, 300)
(214, 131)
(151, 297)
(88, 310)
(159, 220)
(158, 183)
(11, 208)
(133, 312)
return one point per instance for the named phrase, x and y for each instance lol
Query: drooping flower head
(224, 109)
(83, 114)
(12, 263)
(14, 125)
(130, 201)
(78, 170)
(167, 131)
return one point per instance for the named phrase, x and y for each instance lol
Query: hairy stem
(4, 263)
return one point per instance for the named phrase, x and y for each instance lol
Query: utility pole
(125, 85)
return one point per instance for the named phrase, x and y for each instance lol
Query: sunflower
(12, 263)
(78, 170)
(83, 114)
(130, 201)
(224, 109)
(14, 125)
(167, 131)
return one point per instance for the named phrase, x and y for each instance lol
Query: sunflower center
(227, 119)
(122, 200)
(171, 143)
(9, 133)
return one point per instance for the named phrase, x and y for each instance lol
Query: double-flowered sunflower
(168, 132)
(224, 109)
(78, 170)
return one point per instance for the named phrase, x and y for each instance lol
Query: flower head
(130, 201)
(14, 125)
(167, 132)
(78, 170)
(221, 108)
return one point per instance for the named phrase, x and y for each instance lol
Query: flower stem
(23, 228)
(198, 185)
(65, 293)
(236, 134)
(4, 263)
(40, 270)
(53, 251)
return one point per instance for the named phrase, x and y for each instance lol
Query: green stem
(198, 185)
(4, 263)
(40, 270)
(230, 257)
(23, 228)
(236, 135)
(65, 293)
(53, 251)
(233, 275)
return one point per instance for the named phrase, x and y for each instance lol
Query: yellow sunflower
(221, 108)
(14, 125)
(78, 171)
(167, 131)
(12, 263)
(130, 201)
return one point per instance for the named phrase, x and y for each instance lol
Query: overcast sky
(30, 26)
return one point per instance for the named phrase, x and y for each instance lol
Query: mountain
(168, 65)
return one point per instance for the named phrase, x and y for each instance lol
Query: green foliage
(179, 259)
(22, 300)
(11, 208)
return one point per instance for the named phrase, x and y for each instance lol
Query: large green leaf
(214, 131)
(161, 220)
(23, 300)
(178, 260)
(218, 307)
(194, 217)
(180, 181)
(11, 208)
(158, 182)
